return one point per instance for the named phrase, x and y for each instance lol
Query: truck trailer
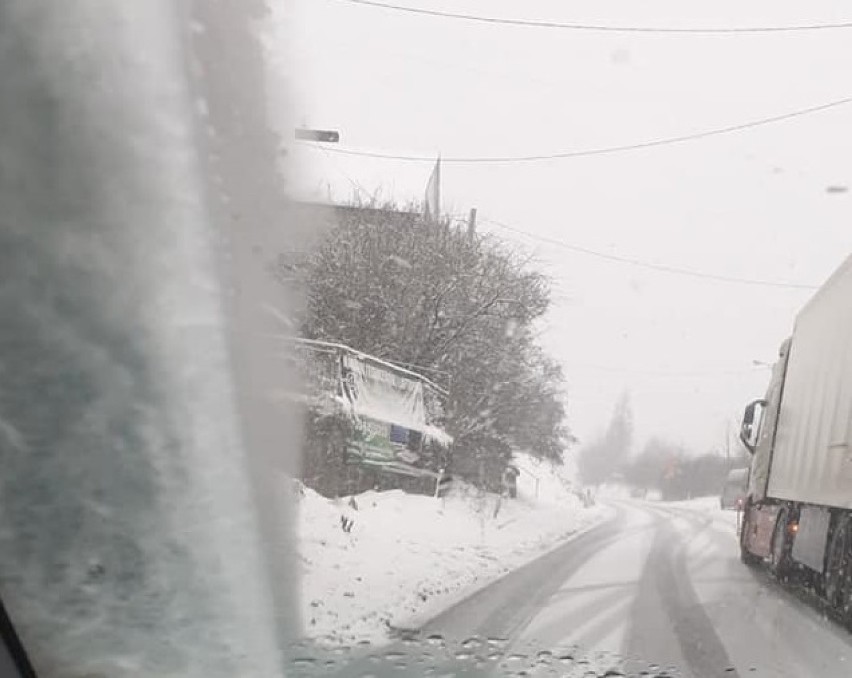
(797, 515)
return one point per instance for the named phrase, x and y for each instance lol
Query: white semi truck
(798, 509)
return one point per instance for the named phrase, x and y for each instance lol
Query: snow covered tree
(455, 307)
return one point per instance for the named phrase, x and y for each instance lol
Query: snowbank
(541, 482)
(407, 557)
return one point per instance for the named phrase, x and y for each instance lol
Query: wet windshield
(354, 337)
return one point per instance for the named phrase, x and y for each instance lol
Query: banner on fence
(390, 417)
(377, 392)
(391, 410)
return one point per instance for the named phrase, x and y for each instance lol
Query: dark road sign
(327, 136)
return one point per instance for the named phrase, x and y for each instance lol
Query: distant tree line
(667, 467)
(604, 457)
(678, 474)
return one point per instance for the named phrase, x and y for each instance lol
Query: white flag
(432, 204)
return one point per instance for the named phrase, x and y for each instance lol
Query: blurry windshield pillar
(144, 513)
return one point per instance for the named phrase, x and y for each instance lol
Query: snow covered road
(661, 583)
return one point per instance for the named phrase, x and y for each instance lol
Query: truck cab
(758, 435)
(758, 426)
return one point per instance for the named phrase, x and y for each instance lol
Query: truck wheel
(746, 556)
(838, 571)
(779, 556)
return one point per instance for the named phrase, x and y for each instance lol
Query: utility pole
(728, 445)
(471, 223)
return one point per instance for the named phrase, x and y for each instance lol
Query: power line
(355, 185)
(533, 23)
(665, 141)
(662, 268)
(665, 373)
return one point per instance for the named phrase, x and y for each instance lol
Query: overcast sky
(752, 204)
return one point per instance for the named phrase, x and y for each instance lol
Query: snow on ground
(407, 557)
(708, 506)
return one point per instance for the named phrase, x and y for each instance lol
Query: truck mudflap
(758, 526)
(811, 537)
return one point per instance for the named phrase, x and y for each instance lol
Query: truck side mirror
(751, 424)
